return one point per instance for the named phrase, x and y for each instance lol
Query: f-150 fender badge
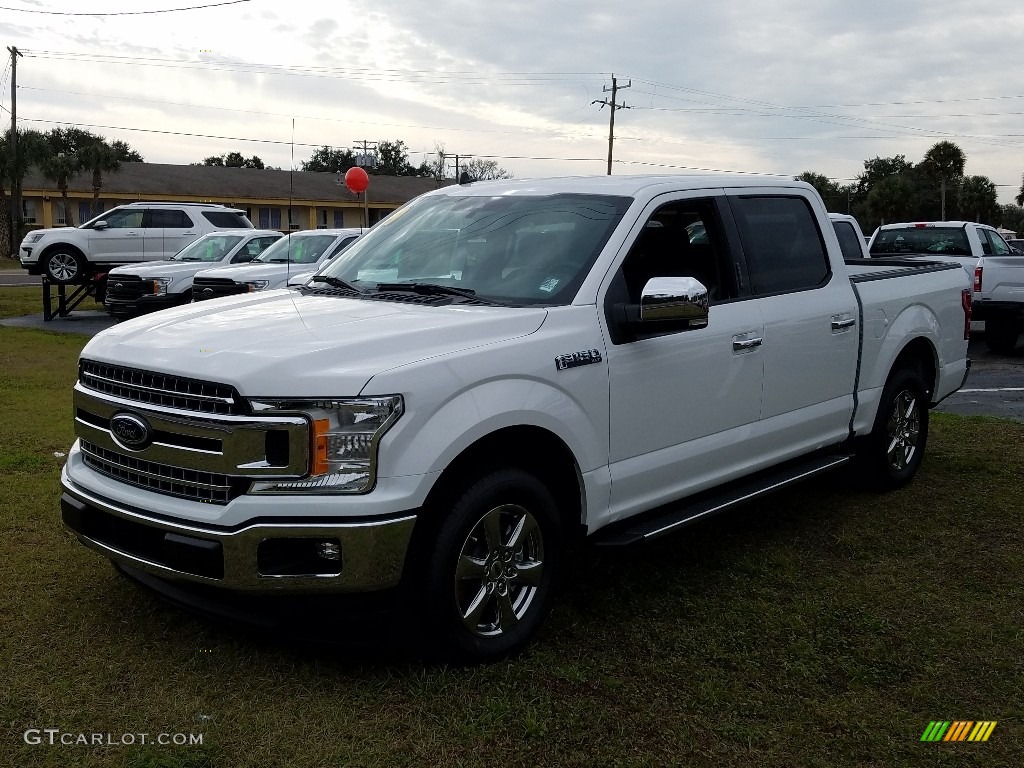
(576, 359)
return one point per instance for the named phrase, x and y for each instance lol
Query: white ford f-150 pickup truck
(493, 370)
(996, 269)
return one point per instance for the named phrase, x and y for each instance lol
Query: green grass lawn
(823, 627)
(8, 264)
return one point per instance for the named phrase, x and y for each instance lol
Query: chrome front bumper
(372, 553)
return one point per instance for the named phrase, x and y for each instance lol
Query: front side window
(297, 249)
(509, 248)
(781, 242)
(126, 218)
(211, 248)
(680, 239)
(997, 246)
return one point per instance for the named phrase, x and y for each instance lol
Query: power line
(123, 13)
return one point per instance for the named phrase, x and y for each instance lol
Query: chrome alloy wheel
(903, 429)
(499, 570)
(63, 267)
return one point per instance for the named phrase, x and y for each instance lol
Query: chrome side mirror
(674, 298)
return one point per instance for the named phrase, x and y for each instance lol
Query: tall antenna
(291, 195)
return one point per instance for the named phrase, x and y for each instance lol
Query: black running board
(672, 517)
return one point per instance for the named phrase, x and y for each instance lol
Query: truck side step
(672, 517)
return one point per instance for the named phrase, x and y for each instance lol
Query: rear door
(168, 230)
(811, 340)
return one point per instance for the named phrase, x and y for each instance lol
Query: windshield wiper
(334, 282)
(428, 289)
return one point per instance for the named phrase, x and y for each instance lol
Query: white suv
(126, 234)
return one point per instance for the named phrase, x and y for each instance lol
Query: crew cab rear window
(849, 241)
(781, 242)
(951, 241)
(227, 220)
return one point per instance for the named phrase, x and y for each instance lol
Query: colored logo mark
(958, 730)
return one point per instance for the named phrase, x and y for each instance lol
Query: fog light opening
(314, 557)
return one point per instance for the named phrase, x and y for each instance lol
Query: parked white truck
(997, 270)
(495, 369)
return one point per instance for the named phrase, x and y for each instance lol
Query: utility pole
(611, 119)
(457, 157)
(364, 152)
(15, 178)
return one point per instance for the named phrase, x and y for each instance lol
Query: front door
(122, 240)
(682, 403)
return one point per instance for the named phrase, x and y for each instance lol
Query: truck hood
(282, 343)
(161, 269)
(275, 273)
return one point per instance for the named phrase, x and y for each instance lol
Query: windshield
(298, 249)
(951, 241)
(517, 249)
(209, 248)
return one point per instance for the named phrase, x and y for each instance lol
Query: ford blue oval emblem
(131, 431)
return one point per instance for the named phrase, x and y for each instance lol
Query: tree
(879, 168)
(977, 195)
(1020, 198)
(393, 159)
(889, 199)
(99, 157)
(12, 172)
(836, 198)
(234, 160)
(945, 161)
(434, 166)
(330, 160)
(1011, 216)
(59, 168)
(125, 153)
(482, 170)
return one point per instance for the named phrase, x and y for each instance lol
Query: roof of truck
(618, 185)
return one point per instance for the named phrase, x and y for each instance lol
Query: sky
(772, 87)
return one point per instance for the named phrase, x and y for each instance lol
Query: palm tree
(59, 168)
(1020, 198)
(12, 171)
(889, 199)
(99, 157)
(945, 160)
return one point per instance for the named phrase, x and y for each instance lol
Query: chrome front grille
(159, 389)
(191, 484)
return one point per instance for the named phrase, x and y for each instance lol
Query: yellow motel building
(283, 200)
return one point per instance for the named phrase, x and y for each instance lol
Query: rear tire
(64, 266)
(890, 456)
(1001, 335)
(489, 568)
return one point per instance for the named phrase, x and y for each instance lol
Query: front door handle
(841, 324)
(738, 345)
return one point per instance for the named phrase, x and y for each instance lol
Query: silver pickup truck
(996, 269)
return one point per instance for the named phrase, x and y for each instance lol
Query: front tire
(891, 455)
(64, 266)
(491, 567)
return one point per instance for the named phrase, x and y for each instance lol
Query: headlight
(160, 285)
(257, 285)
(33, 237)
(344, 435)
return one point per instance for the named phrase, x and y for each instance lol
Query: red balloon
(356, 180)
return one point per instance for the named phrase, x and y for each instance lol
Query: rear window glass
(782, 244)
(849, 241)
(951, 241)
(227, 219)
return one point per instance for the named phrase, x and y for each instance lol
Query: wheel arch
(531, 448)
(65, 245)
